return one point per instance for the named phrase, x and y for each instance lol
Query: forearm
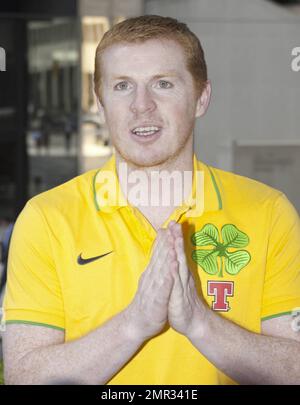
(92, 359)
(247, 357)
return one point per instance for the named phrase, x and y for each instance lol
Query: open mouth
(145, 131)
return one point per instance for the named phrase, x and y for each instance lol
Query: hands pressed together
(166, 290)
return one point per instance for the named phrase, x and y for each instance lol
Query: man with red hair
(105, 290)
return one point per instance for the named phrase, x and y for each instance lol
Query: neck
(144, 183)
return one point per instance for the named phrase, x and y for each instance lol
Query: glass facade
(13, 99)
(53, 97)
(95, 145)
(50, 128)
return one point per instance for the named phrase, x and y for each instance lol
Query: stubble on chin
(141, 161)
(154, 159)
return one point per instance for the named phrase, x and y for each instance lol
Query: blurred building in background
(252, 124)
(49, 127)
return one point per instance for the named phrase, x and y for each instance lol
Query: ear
(203, 100)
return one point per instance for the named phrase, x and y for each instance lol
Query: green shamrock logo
(232, 237)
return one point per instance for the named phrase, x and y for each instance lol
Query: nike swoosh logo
(81, 260)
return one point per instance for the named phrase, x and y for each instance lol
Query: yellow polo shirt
(242, 245)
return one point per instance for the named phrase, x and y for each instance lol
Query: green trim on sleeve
(216, 188)
(46, 325)
(276, 315)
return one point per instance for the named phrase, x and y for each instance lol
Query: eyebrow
(166, 74)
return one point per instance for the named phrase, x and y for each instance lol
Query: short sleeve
(33, 293)
(282, 278)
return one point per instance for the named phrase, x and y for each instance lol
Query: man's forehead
(153, 57)
(162, 44)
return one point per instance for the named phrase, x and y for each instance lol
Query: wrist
(199, 326)
(132, 331)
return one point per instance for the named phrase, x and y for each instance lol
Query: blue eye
(121, 86)
(163, 84)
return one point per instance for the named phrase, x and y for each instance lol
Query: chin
(144, 159)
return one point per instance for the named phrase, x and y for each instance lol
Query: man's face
(149, 100)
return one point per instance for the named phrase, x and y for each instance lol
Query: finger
(155, 250)
(175, 228)
(168, 285)
(172, 223)
(165, 260)
(158, 244)
(184, 272)
(161, 251)
(172, 228)
(177, 293)
(156, 241)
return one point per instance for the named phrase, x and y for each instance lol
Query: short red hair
(146, 27)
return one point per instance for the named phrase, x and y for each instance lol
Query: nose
(143, 101)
